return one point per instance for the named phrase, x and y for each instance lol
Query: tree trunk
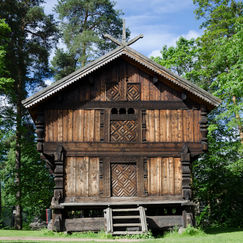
(238, 120)
(18, 207)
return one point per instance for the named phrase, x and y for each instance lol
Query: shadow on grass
(219, 230)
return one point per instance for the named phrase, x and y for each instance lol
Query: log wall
(164, 176)
(72, 125)
(82, 177)
(173, 126)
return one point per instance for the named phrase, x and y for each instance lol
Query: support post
(204, 128)
(57, 218)
(40, 131)
(186, 173)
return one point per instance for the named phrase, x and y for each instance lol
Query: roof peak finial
(124, 37)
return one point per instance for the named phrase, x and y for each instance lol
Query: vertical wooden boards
(164, 176)
(172, 125)
(178, 175)
(82, 177)
(72, 126)
(93, 177)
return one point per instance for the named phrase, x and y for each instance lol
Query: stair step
(126, 217)
(126, 224)
(127, 232)
(125, 210)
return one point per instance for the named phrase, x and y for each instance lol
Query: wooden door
(123, 179)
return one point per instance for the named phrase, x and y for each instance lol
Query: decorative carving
(143, 125)
(133, 92)
(113, 92)
(145, 176)
(57, 221)
(123, 131)
(186, 173)
(40, 130)
(50, 163)
(124, 180)
(188, 216)
(102, 129)
(204, 128)
(58, 176)
(101, 171)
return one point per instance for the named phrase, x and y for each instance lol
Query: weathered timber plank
(47, 126)
(84, 224)
(60, 126)
(121, 147)
(157, 222)
(55, 124)
(171, 175)
(97, 126)
(50, 127)
(178, 175)
(145, 87)
(93, 177)
(146, 104)
(168, 126)
(70, 125)
(76, 125)
(179, 126)
(157, 125)
(165, 176)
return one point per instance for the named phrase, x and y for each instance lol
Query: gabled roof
(116, 53)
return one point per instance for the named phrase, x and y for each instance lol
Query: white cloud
(192, 34)
(169, 40)
(48, 82)
(49, 6)
(155, 53)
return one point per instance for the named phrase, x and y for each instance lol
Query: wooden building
(119, 136)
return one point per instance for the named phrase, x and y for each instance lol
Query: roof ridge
(110, 56)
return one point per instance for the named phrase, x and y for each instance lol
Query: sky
(161, 22)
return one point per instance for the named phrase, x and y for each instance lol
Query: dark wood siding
(164, 176)
(172, 126)
(72, 126)
(82, 177)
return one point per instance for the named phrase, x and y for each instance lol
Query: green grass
(190, 235)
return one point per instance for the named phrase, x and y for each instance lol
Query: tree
(182, 59)
(83, 22)
(217, 66)
(33, 34)
(221, 53)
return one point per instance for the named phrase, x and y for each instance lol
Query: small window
(114, 111)
(122, 111)
(130, 111)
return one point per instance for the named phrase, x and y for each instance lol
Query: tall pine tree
(82, 24)
(33, 35)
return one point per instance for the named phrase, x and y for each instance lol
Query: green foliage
(36, 183)
(82, 25)
(214, 61)
(188, 231)
(33, 34)
(181, 59)
(4, 38)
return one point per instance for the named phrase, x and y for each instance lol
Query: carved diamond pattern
(133, 92)
(124, 180)
(113, 91)
(123, 131)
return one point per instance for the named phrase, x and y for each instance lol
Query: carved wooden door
(123, 179)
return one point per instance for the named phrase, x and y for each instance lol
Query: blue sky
(161, 22)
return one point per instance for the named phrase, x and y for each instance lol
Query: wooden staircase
(122, 221)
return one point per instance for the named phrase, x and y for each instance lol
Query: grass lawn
(214, 236)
